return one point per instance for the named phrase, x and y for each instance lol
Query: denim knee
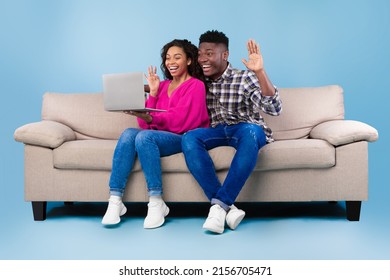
(143, 137)
(257, 133)
(188, 141)
(129, 134)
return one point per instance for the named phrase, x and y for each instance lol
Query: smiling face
(213, 59)
(176, 61)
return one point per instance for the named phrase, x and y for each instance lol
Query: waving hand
(255, 59)
(153, 80)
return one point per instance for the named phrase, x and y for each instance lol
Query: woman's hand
(153, 80)
(144, 116)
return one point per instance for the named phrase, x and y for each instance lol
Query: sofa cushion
(302, 153)
(341, 132)
(85, 114)
(97, 155)
(44, 133)
(287, 154)
(304, 108)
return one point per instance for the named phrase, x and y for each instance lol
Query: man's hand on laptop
(145, 116)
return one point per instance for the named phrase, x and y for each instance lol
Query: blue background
(67, 45)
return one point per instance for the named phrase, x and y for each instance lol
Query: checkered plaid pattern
(236, 97)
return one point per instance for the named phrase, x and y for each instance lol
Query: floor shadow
(285, 210)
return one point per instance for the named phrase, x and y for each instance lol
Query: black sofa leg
(39, 210)
(353, 210)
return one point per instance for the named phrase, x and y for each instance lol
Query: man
(234, 101)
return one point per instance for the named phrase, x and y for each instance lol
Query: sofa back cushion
(304, 108)
(85, 114)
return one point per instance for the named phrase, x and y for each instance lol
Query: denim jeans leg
(195, 145)
(151, 145)
(247, 139)
(123, 161)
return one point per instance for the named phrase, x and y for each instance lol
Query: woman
(183, 95)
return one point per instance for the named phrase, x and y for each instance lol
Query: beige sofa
(317, 155)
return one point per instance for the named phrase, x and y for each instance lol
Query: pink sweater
(186, 107)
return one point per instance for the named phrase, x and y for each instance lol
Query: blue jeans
(246, 138)
(149, 146)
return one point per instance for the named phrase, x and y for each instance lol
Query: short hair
(214, 36)
(191, 51)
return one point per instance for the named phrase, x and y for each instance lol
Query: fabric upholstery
(304, 108)
(316, 155)
(45, 133)
(287, 154)
(85, 114)
(340, 132)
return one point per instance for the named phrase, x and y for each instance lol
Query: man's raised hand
(255, 59)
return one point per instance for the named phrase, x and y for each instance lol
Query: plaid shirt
(236, 97)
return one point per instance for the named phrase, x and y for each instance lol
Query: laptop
(125, 92)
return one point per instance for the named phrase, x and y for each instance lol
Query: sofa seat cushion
(97, 155)
(286, 154)
(300, 153)
(86, 154)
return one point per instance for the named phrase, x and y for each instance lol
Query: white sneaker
(157, 211)
(215, 221)
(234, 217)
(115, 209)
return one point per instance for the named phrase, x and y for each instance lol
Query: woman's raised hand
(153, 80)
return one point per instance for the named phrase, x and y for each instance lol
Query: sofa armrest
(49, 134)
(341, 132)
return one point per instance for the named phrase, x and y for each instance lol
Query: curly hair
(214, 36)
(191, 51)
